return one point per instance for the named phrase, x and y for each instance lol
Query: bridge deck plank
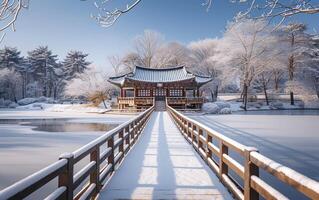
(163, 165)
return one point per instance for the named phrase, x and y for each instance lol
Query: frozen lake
(30, 140)
(288, 137)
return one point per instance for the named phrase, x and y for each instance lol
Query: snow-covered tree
(146, 47)
(296, 41)
(75, 63)
(172, 54)
(10, 58)
(243, 51)
(130, 60)
(44, 64)
(202, 53)
(116, 64)
(10, 84)
(91, 84)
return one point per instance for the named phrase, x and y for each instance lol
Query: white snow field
(288, 137)
(25, 150)
(163, 165)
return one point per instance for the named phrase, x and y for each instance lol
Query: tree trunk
(104, 103)
(216, 92)
(212, 94)
(245, 96)
(266, 95)
(292, 100)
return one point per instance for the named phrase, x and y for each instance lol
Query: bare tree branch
(107, 18)
(275, 8)
(9, 12)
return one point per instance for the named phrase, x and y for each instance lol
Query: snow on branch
(9, 11)
(278, 8)
(106, 17)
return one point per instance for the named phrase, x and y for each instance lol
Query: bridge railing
(214, 148)
(104, 153)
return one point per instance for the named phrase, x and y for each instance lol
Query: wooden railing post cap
(250, 149)
(66, 156)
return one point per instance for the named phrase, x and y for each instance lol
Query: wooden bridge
(163, 155)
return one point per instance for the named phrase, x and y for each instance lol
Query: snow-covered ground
(288, 137)
(26, 149)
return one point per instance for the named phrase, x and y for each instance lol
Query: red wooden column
(122, 92)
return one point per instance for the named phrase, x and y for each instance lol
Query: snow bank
(210, 108)
(27, 101)
(225, 111)
(216, 107)
(76, 108)
(13, 105)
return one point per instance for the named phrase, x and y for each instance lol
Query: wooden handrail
(201, 137)
(103, 161)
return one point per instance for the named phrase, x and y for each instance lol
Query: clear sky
(66, 25)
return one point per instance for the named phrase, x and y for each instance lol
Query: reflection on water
(26, 152)
(59, 125)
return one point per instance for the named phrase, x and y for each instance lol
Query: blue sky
(66, 25)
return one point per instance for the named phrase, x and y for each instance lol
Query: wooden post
(208, 140)
(127, 140)
(94, 176)
(199, 142)
(189, 134)
(250, 169)
(132, 133)
(193, 134)
(121, 146)
(223, 168)
(66, 178)
(110, 159)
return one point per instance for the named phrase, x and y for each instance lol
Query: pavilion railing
(185, 100)
(204, 140)
(105, 153)
(135, 100)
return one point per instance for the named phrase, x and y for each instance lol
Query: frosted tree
(44, 64)
(146, 47)
(310, 73)
(10, 84)
(243, 51)
(272, 71)
(10, 58)
(296, 41)
(116, 64)
(75, 63)
(202, 53)
(92, 84)
(172, 54)
(130, 60)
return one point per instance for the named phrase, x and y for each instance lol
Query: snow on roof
(161, 75)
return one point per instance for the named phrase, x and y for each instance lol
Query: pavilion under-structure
(143, 86)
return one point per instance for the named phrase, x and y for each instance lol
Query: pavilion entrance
(160, 94)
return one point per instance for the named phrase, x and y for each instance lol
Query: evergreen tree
(43, 64)
(10, 58)
(74, 64)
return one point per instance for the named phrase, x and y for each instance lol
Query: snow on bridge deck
(163, 165)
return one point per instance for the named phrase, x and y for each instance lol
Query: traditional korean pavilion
(142, 86)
